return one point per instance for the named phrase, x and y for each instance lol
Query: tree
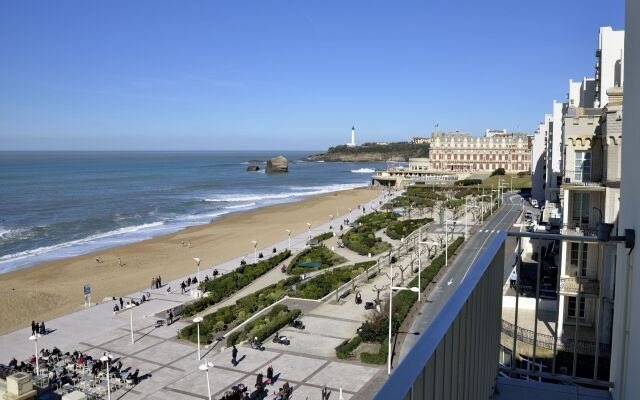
(499, 171)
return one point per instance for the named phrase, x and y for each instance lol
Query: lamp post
(420, 266)
(349, 215)
(255, 255)
(288, 234)
(309, 229)
(197, 321)
(197, 260)
(391, 289)
(466, 220)
(446, 240)
(205, 367)
(105, 358)
(331, 226)
(130, 308)
(34, 338)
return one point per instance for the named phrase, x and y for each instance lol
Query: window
(575, 251)
(571, 307)
(581, 208)
(582, 172)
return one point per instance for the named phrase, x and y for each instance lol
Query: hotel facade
(459, 151)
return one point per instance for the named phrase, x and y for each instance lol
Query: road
(502, 220)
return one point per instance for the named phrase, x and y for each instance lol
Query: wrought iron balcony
(461, 353)
(571, 286)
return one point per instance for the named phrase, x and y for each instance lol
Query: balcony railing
(571, 286)
(457, 356)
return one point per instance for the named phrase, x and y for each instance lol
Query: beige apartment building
(459, 151)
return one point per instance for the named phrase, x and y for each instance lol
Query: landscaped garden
(398, 229)
(362, 239)
(261, 328)
(313, 259)
(227, 318)
(220, 288)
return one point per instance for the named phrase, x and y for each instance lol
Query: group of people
(68, 368)
(185, 284)
(156, 282)
(38, 328)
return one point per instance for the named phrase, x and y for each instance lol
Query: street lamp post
(255, 254)
(34, 338)
(446, 240)
(197, 260)
(197, 321)
(391, 289)
(130, 308)
(289, 234)
(331, 226)
(205, 367)
(309, 229)
(349, 215)
(105, 358)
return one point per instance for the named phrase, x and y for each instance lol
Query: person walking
(154, 284)
(234, 356)
(33, 327)
(121, 303)
(43, 330)
(512, 279)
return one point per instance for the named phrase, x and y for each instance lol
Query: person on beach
(119, 262)
(190, 243)
(234, 356)
(183, 243)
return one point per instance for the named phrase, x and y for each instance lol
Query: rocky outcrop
(253, 168)
(278, 164)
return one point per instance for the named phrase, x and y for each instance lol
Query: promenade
(169, 368)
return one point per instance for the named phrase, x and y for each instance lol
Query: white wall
(625, 358)
(554, 153)
(611, 45)
(537, 164)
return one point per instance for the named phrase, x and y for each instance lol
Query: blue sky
(219, 75)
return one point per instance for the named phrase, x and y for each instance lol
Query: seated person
(13, 363)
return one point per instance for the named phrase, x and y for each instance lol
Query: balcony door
(575, 255)
(581, 209)
(582, 170)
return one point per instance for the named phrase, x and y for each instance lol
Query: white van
(534, 203)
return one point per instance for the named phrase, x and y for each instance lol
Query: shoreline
(54, 288)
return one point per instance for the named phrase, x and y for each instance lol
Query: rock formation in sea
(278, 164)
(253, 168)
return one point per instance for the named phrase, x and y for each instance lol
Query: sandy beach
(48, 290)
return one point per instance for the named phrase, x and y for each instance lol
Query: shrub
(469, 182)
(324, 284)
(323, 236)
(499, 171)
(263, 327)
(345, 350)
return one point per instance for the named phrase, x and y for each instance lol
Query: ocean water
(60, 204)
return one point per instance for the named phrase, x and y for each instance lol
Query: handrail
(401, 381)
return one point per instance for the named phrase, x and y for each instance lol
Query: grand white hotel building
(459, 151)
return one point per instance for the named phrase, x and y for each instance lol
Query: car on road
(528, 216)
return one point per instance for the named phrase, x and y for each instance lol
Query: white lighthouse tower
(353, 137)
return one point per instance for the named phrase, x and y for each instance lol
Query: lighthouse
(353, 137)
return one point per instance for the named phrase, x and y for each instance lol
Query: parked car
(534, 203)
(528, 216)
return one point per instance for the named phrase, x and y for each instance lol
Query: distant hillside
(372, 152)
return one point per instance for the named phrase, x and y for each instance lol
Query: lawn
(519, 182)
(316, 254)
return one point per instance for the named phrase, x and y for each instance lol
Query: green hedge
(231, 282)
(326, 283)
(277, 318)
(345, 350)
(323, 236)
(399, 229)
(321, 254)
(377, 358)
(469, 182)
(363, 241)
